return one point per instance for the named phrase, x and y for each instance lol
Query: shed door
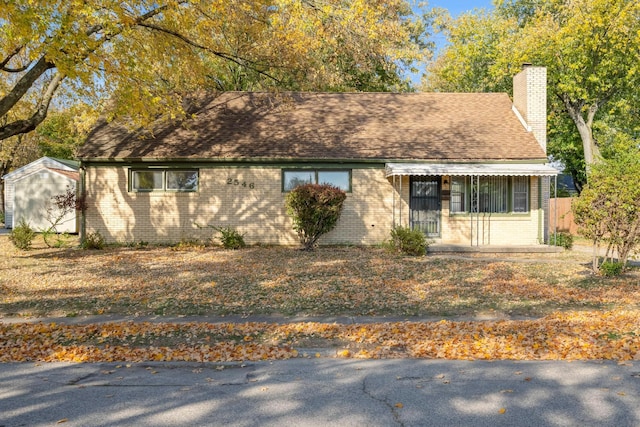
(425, 205)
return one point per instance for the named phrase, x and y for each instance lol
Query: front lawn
(330, 281)
(571, 313)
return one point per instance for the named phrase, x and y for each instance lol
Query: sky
(455, 7)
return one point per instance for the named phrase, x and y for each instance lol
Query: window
(146, 180)
(164, 180)
(492, 194)
(182, 180)
(458, 199)
(521, 194)
(338, 178)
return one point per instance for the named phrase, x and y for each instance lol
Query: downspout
(540, 211)
(393, 205)
(83, 196)
(401, 200)
(478, 210)
(555, 215)
(471, 210)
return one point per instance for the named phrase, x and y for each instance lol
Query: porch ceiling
(470, 169)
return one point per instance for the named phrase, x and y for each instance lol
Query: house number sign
(231, 181)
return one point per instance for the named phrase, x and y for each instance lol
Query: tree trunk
(585, 128)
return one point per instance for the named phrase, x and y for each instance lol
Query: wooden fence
(564, 215)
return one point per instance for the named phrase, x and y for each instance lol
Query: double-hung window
(338, 178)
(146, 180)
(489, 194)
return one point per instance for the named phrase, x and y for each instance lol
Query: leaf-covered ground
(574, 335)
(574, 314)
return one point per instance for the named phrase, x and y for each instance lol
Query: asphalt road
(322, 392)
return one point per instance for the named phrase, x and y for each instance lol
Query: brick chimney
(530, 99)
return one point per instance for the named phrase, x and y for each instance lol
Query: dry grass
(331, 281)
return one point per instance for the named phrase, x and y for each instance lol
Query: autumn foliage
(526, 307)
(563, 336)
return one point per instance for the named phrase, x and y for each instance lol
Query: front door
(425, 205)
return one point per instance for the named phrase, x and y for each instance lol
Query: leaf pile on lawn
(571, 335)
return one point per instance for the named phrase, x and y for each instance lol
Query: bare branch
(23, 126)
(3, 64)
(239, 61)
(24, 84)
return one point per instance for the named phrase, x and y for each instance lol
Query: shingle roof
(336, 126)
(69, 174)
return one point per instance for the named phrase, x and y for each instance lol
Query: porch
(477, 207)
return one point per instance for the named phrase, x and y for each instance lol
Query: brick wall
(530, 98)
(253, 204)
(494, 229)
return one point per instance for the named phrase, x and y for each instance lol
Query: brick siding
(257, 210)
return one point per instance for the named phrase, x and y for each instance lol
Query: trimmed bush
(22, 236)
(408, 241)
(562, 239)
(315, 210)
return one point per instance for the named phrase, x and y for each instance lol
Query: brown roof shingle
(333, 126)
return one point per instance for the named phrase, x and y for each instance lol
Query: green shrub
(1, 217)
(93, 241)
(315, 210)
(408, 241)
(611, 268)
(230, 238)
(562, 239)
(22, 236)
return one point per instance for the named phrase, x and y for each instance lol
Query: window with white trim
(172, 180)
(294, 178)
(492, 194)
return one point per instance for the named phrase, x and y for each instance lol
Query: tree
(315, 210)
(465, 64)
(142, 55)
(608, 209)
(591, 49)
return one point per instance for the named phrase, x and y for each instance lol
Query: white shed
(29, 190)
